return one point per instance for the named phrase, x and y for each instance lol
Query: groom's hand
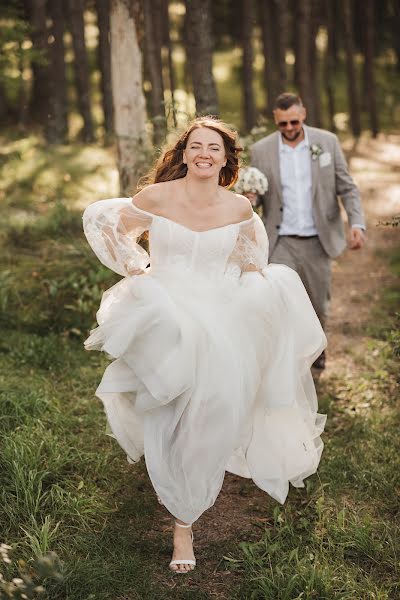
(356, 238)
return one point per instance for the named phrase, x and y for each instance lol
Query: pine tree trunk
(199, 49)
(153, 41)
(104, 58)
(57, 126)
(303, 24)
(266, 14)
(247, 65)
(129, 101)
(329, 67)
(314, 63)
(369, 65)
(82, 75)
(281, 39)
(170, 66)
(39, 103)
(354, 111)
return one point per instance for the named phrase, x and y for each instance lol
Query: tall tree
(304, 83)
(314, 62)
(354, 110)
(104, 57)
(329, 59)
(165, 22)
(369, 55)
(266, 15)
(82, 74)
(57, 125)
(199, 48)
(128, 97)
(153, 46)
(247, 65)
(281, 16)
(39, 104)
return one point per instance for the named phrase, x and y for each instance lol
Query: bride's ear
(184, 158)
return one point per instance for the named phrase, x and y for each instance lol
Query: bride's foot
(183, 559)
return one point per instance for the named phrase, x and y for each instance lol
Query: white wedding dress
(211, 364)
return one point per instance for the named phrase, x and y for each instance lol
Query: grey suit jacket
(328, 182)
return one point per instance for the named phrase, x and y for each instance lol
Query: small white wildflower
(18, 581)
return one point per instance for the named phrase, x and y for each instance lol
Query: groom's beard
(293, 137)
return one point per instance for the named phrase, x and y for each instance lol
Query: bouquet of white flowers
(251, 180)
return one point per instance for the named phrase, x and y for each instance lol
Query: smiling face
(204, 154)
(290, 121)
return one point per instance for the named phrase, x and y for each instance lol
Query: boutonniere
(316, 151)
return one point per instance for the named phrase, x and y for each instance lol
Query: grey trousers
(308, 258)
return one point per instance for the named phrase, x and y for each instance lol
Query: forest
(90, 93)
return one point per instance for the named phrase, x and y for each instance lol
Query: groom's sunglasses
(283, 124)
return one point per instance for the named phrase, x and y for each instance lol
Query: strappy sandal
(183, 561)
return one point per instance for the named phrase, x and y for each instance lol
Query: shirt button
(278, 226)
(281, 208)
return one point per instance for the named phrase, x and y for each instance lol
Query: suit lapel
(312, 139)
(275, 166)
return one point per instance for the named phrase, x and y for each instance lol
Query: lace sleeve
(251, 250)
(112, 228)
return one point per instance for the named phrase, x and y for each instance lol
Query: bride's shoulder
(243, 206)
(152, 196)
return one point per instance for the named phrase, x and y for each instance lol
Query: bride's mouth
(203, 165)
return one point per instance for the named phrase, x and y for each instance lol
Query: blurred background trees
(221, 57)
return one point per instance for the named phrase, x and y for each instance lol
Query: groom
(306, 172)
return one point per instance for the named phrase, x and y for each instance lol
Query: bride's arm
(112, 228)
(251, 249)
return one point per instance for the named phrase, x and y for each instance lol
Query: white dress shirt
(296, 181)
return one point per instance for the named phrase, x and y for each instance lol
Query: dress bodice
(207, 252)
(114, 227)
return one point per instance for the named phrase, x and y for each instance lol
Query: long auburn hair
(170, 165)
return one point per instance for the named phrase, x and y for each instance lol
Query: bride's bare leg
(183, 547)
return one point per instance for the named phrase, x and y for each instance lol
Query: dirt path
(358, 278)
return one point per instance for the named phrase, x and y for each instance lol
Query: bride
(211, 346)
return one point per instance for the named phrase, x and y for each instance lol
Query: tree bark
(39, 103)
(303, 24)
(314, 63)
(57, 125)
(369, 65)
(153, 45)
(82, 74)
(104, 58)
(168, 45)
(329, 66)
(247, 65)
(199, 48)
(354, 112)
(266, 15)
(281, 39)
(128, 97)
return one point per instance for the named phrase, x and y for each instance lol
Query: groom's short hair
(286, 100)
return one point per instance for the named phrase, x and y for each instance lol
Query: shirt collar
(285, 148)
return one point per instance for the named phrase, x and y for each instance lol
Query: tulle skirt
(211, 376)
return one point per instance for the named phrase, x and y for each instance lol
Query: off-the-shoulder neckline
(153, 215)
